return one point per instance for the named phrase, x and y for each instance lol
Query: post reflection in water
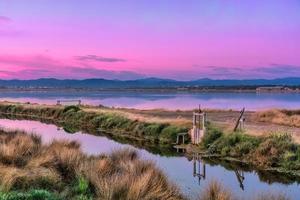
(199, 171)
(199, 168)
(240, 177)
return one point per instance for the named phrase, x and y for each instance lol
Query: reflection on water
(240, 177)
(185, 172)
(199, 167)
(199, 171)
(167, 100)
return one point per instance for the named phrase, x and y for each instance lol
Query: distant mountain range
(144, 83)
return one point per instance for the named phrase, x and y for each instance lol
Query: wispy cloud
(106, 74)
(4, 19)
(32, 67)
(270, 71)
(99, 58)
(280, 69)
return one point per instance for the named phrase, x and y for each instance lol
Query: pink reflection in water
(89, 143)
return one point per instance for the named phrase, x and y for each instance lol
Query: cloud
(4, 19)
(71, 73)
(99, 58)
(33, 67)
(270, 71)
(106, 74)
(280, 69)
(9, 31)
(41, 66)
(220, 72)
(28, 74)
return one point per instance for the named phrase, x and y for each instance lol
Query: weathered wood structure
(181, 138)
(198, 130)
(69, 102)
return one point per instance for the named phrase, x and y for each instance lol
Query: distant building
(272, 89)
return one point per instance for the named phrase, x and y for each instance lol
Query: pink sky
(135, 39)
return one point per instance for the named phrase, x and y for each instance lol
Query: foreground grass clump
(272, 151)
(216, 191)
(75, 118)
(59, 170)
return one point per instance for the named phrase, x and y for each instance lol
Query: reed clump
(282, 117)
(60, 170)
(216, 191)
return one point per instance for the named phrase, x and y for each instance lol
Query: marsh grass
(61, 168)
(276, 150)
(75, 118)
(282, 117)
(215, 191)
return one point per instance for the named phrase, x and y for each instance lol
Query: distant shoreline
(150, 90)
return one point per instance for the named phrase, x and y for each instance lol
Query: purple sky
(162, 38)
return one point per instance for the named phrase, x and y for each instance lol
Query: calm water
(167, 100)
(179, 169)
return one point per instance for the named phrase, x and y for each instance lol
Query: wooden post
(238, 121)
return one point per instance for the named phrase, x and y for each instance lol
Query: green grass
(273, 151)
(71, 109)
(82, 189)
(31, 195)
(75, 119)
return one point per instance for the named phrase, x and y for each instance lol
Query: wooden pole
(238, 121)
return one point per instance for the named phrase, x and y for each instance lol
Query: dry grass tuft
(215, 191)
(282, 117)
(27, 164)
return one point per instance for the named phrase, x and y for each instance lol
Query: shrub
(169, 133)
(210, 137)
(154, 129)
(71, 109)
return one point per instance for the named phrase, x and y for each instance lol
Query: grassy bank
(276, 151)
(31, 170)
(75, 118)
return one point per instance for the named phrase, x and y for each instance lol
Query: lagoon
(178, 168)
(167, 100)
